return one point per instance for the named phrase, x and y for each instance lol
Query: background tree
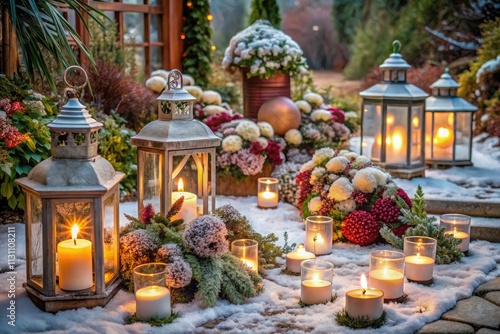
(265, 10)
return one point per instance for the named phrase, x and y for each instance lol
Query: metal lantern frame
(395, 91)
(175, 134)
(74, 177)
(444, 103)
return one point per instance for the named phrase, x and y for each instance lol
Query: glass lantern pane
(372, 131)
(428, 134)
(110, 239)
(463, 135)
(396, 140)
(74, 223)
(151, 180)
(36, 239)
(442, 136)
(417, 113)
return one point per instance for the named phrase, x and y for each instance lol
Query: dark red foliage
(327, 205)
(400, 230)
(360, 197)
(385, 210)
(360, 228)
(401, 193)
(147, 213)
(214, 122)
(273, 153)
(337, 115)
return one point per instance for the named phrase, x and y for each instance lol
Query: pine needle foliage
(210, 283)
(265, 10)
(344, 319)
(446, 250)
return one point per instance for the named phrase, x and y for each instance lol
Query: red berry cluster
(385, 210)
(10, 135)
(360, 228)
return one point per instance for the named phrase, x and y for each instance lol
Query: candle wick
(74, 241)
(364, 291)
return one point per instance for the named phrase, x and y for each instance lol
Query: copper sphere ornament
(281, 113)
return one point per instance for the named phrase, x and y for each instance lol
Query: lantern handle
(396, 46)
(175, 80)
(77, 68)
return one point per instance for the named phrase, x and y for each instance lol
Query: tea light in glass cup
(459, 226)
(152, 297)
(420, 255)
(319, 235)
(387, 273)
(364, 302)
(267, 193)
(293, 259)
(247, 251)
(316, 281)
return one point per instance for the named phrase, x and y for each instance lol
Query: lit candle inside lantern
(267, 197)
(293, 259)
(152, 302)
(419, 268)
(390, 281)
(189, 210)
(464, 237)
(364, 302)
(315, 291)
(443, 138)
(74, 257)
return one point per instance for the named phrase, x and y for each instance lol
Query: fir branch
(344, 319)
(287, 248)
(238, 275)
(195, 265)
(229, 291)
(390, 237)
(156, 322)
(210, 283)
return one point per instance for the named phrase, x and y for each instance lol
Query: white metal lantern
(71, 215)
(174, 144)
(448, 125)
(392, 121)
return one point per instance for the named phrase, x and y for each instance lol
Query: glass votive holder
(387, 273)
(459, 226)
(267, 193)
(247, 251)
(294, 259)
(152, 297)
(316, 281)
(420, 255)
(319, 234)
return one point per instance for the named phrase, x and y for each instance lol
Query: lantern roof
(74, 116)
(448, 103)
(395, 60)
(446, 81)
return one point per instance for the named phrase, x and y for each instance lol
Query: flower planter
(229, 186)
(256, 91)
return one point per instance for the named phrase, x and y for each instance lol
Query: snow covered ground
(276, 309)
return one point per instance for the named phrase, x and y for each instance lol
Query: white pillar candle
(391, 282)
(293, 259)
(464, 237)
(267, 199)
(315, 291)
(152, 302)
(189, 210)
(364, 302)
(74, 257)
(419, 268)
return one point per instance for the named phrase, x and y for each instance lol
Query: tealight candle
(247, 251)
(74, 257)
(267, 193)
(319, 230)
(386, 273)
(316, 282)
(293, 259)
(189, 210)
(152, 297)
(459, 226)
(364, 302)
(420, 253)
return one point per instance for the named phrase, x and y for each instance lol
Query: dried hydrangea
(266, 129)
(169, 252)
(232, 143)
(293, 137)
(314, 99)
(303, 106)
(341, 189)
(364, 181)
(206, 236)
(248, 130)
(178, 273)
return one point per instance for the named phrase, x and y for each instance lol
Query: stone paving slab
(446, 327)
(493, 297)
(479, 208)
(487, 331)
(493, 285)
(475, 311)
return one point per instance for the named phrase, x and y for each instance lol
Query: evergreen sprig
(344, 319)
(156, 322)
(210, 283)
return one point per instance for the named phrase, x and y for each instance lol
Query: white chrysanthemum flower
(248, 130)
(307, 166)
(379, 174)
(347, 206)
(262, 141)
(315, 204)
(350, 155)
(351, 114)
(266, 129)
(337, 164)
(314, 99)
(364, 181)
(293, 137)
(317, 173)
(161, 73)
(232, 143)
(211, 97)
(340, 190)
(303, 106)
(213, 110)
(361, 161)
(196, 91)
(321, 115)
(322, 155)
(187, 80)
(156, 84)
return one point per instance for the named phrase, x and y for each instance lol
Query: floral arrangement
(264, 51)
(196, 253)
(359, 196)
(322, 125)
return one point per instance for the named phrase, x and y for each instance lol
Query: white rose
(293, 137)
(156, 84)
(232, 143)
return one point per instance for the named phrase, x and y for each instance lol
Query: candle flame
(180, 185)
(318, 238)
(418, 255)
(74, 233)
(268, 182)
(301, 249)
(315, 277)
(390, 119)
(385, 271)
(415, 121)
(455, 231)
(364, 284)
